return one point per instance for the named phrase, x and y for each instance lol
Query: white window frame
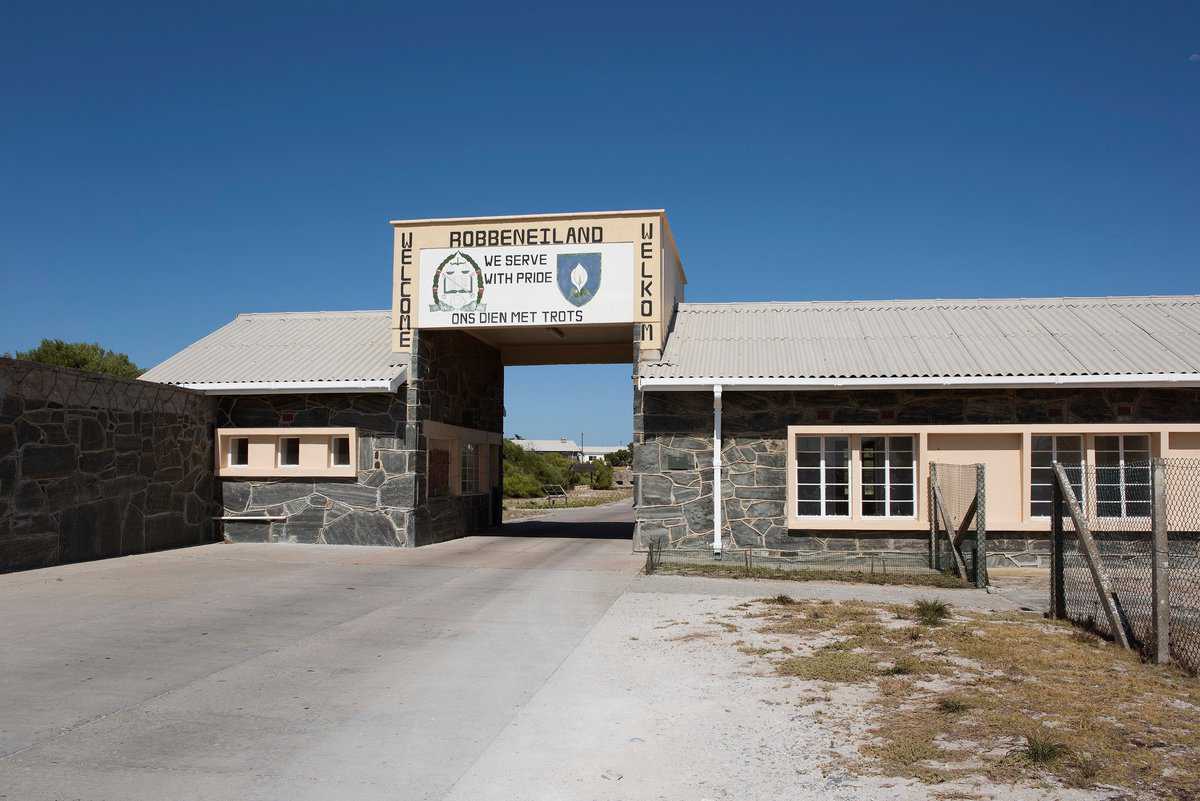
(823, 515)
(887, 475)
(279, 449)
(1083, 455)
(232, 449)
(1122, 483)
(333, 440)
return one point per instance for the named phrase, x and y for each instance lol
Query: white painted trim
(295, 387)
(999, 382)
(716, 463)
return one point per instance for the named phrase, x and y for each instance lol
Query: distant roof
(601, 449)
(343, 351)
(548, 445)
(1018, 342)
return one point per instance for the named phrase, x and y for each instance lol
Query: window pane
(1108, 443)
(902, 508)
(1072, 443)
(836, 459)
(838, 475)
(902, 492)
(469, 469)
(1137, 442)
(1041, 492)
(901, 475)
(872, 476)
(837, 492)
(1108, 508)
(808, 444)
(289, 451)
(1040, 509)
(1137, 509)
(239, 453)
(341, 451)
(871, 492)
(808, 475)
(808, 492)
(874, 509)
(1041, 458)
(1042, 443)
(839, 509)
(808, 508)
(806, 459)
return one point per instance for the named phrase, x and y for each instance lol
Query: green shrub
(519, 484)
(602, 476)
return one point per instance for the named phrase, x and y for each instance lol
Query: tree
(621, 458)
(81, 356)
(602, 476)
(526, 471)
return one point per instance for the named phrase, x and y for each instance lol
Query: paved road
(531, 664)
(292, 672)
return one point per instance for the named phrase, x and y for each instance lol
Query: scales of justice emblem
(578, 276)
(458, 284)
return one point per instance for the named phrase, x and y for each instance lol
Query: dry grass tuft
(1041, 749)
(828, 665)
(931, 611)
(952, 705)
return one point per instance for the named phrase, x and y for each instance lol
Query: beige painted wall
(1004, 467)
(263, 461)
(1004, 449)
(654, 295)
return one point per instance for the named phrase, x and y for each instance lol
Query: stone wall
(457, 380)
(94, 467)
(673, 454)
(374, 508)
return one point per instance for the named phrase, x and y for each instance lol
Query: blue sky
(163, 167)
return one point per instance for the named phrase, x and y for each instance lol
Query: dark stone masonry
(93, 466)
(454, 379)
(375, 508)
(672, 460)
(457, 380)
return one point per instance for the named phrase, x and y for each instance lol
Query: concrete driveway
(529, 665)
(292, 672)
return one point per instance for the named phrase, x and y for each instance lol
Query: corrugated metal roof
(337, 348)
(930, 339)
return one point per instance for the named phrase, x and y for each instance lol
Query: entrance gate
(473, 295)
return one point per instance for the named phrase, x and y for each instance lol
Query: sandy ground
(657, 703)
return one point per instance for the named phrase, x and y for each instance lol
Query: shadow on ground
(601, 530)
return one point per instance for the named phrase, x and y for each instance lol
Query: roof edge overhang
(388, 385)
(1181, 380)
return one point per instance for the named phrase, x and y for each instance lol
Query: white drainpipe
(716, 482)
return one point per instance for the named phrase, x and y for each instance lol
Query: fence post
(1058, 595)
(1087, 546)
(981, 571)
(1160, 565)
(933, 521)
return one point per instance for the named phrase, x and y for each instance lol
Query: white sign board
(492, 287)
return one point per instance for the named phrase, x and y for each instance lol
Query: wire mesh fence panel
(958, 486)
(850, 565)
(1181, 481)
(1115, 498)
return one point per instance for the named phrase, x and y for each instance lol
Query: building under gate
(384, 427)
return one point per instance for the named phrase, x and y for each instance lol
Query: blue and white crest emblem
(579, 276)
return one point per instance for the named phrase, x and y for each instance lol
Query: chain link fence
(958, 503)
(879, 567)
(1122, 509)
